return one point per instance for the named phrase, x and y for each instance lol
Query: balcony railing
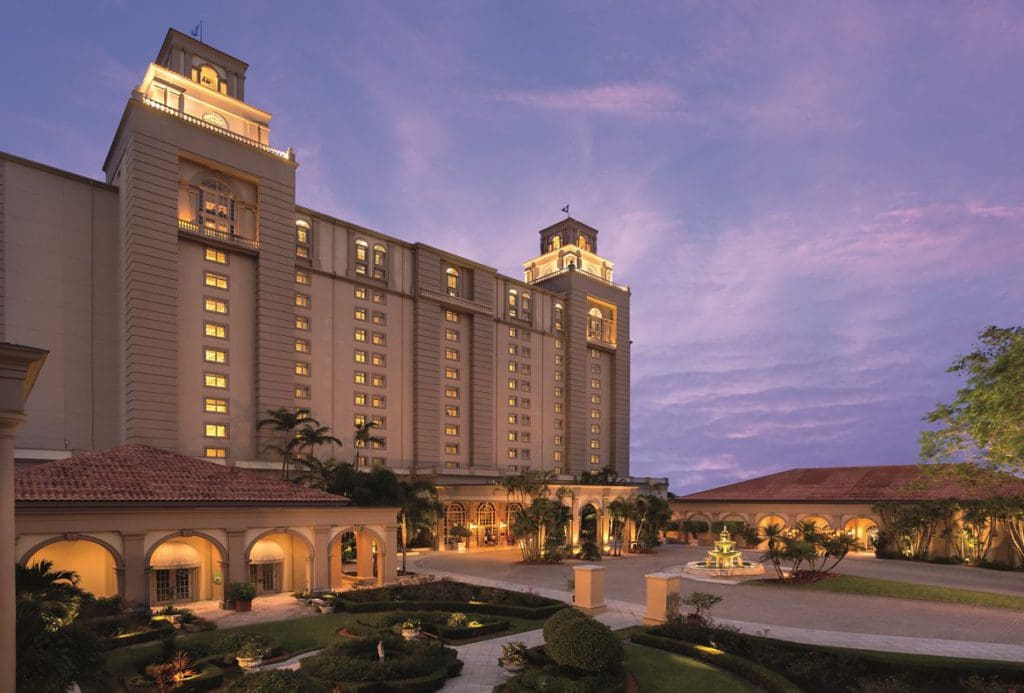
(192, 227)
(224, 132)
(575, 268)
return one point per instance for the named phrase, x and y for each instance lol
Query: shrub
(553, 679)
(278, 681)
(565, 618)
(230, 644)
(456, 619)
(585, 644)
(241, 592)
(157, 630)
(589, 551)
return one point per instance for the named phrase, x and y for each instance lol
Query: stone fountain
(723, 561)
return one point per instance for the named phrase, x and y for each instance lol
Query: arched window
(486, 525)
(526, 305)
(303, 240)
(380, 256)
(209, 77)
(583, 243)
(558, 324)
(362, 249)
(452, 281)
(594, 319)
(215, 206)
(454, 516)
(512, 309)
(215, 119)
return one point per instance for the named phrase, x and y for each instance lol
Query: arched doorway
(512, 513)
(96, 562)
(485, 528)
(279, 562)
(358, 557)
(767, 521)
(588, 523)
(820, 523)
(454, 519)
(185, 569)
(864, 530)
(698, 526)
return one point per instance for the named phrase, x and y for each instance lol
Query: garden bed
(445, 625)
(410, 666)
(448, 595)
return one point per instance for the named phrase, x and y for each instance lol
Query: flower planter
(326, 608)
(410, 633)
(461, 547)
(249, 663)
(513, 668)
(243, 605)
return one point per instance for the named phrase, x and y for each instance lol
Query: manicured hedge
(433, 622)
(744, 668)
(527, 612)
(210, 678)
(278, 681)
(157, 631)
(447, 591)
(408, 665)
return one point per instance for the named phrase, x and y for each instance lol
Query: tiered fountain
(723, 561)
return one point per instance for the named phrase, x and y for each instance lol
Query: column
(364, 554)
(235, 570)
(387, 558)
(574, 523)
(320, 577)
(589, 581)
(136, 572)
(660, 588)
(19, 367)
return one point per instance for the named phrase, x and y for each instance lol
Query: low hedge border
(210, 677)
(160, 630)
(467, 632)
(744, 668)
(528, 612)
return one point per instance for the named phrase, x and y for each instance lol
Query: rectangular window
(513, 366)
(451, 335)
(595, 368)
(513, 350)
(595, 353)
(215, 453)
(359, 398)
(595, 383)
(595, 399)
(360, 356)
(359, 335)
(301, 322)
(360, 314)
(524, 454)
(558, 391)
(513, 332)
(525, 419)
(302, 300)
(302, 346)
(379, 359)
(451, 448)
(513, 436)
(451, 410)
(526, 349)
(451, 316)
(558, 424)
(451, 430)
(558, 359)
(451, 354)
(213, 329)
(379, 338)
(380, 298)
(215, 305)
(216, 430)
(379, 318)
(360, 419)
(558, 376)
(595, 459)
(524, 368)
(215, 380)
(558, 440)
(559, 343)
(513, 401)
(218, 256)
(215, 355)
(513, 419)
(595, 429)
(451, 373)
(360, 293)
(451, 392)
(377, 402)
(361, 460)
(525, 402)
(377, 380)
(595, 413)
(513, 453)
(558, 407)
(595, 444)
(302, 391)
(359, 377)
(557, 456)
(378, 444)
(302, 277)
(378, 461)
(524, 385)
(513, 384)
(215, 405)
(214, 280)
(301, 368)
(451, 465)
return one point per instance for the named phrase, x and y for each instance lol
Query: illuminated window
(302, 277)
(451, 392)
(215, 305)
(360, 356)
(302, 391)
(213, 329)
(359, 377)
(378, 461)
(217, 281)
(451, 354)
(451, 279)
(361, 460)
(513, 384)
(595, 399)
(360, 419)
(215, 380)
(303, 240)
(451, 410)
(215, 453)
(526, 306)
(557, 456)
(451, 448)
(451, 430)
(513, 332)
(451, 373)
(512, 307)
(359, 314)
(380, 255)
(513, 419)
(377, 401)
(378, 443)
(301, 368)
(513, 366)
(214, 207)
(360, 335)
(302, 346)
(218, 256)
(595, 354)
(595, 459)
(301, 300)
(451, 335)
(451, 465)
(215, 405)
(361, 293)
(379, 338)
(595, 413)
(595, 444)
(513, 436)
(380, 297)
(216, 430)
(513, 453)
(513, 401)
(359, 399)
(595, 383)
(595, 429)
(558, 359)
(559, 318)
(513, 349)
(559, 343)
(558, 440)
(379, 318)
(362, 255)
(215, 355)
(207, 76)
(380, 422)
(301, 322)
(558, 391)
(451, 316)
(377, 380)
(379, 359)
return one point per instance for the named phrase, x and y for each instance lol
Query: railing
(224, 132)
(192, 227)
(575, 268)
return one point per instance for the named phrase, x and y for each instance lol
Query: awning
(175, 554)
(266, 551)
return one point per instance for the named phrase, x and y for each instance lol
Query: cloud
(636, 100)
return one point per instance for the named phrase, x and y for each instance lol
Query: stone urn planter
(513, 657)
(249, 663)
(250, 655)
(411, 630)
(326, 608)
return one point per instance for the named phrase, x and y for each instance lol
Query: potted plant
(326, 604)
(460, 534)
(251, 654)
(513, 656)
(410, 629)
(242, 594)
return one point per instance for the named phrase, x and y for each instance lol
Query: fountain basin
(703, 569)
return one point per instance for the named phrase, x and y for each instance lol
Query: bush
(409, 665)
(156, 630)
(589, 551)
(230, 644)
(565, 618)
(278, 681)
(241, 592)
(585, 644)
(553, 680)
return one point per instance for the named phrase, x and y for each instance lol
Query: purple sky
(817, 205)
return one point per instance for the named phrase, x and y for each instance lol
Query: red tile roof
(141, 474)
(861, 484)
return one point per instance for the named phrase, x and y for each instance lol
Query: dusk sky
(817, 205)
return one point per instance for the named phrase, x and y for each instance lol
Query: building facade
(189, 294)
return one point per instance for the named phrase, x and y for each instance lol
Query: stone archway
(863, 529)
(99, 565)
(279, 560)
(185, 567)
(820, 522)
(359, 556)
(589, 516)
(703, 535)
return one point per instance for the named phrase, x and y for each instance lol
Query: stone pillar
(321, 558)
(574, 523)
(387, 558)
(660, 586)
(136, 572)
(589, 581)
(19, 367)
(235, 570)
(364, 554)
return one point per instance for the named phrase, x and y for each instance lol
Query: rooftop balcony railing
(194, 228)
(576, 268)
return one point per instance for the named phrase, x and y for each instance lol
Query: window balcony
(193, 228)
(223, 132)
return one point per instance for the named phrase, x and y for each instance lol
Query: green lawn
(657, 671)
(874, 587)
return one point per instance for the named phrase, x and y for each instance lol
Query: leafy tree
(605, 475)
(286, 422)
(985, 421)
(317, 473)
(910, 527)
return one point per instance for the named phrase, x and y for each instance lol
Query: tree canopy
(985, 421)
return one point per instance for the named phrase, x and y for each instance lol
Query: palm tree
(418, 508)
(286, 421)
(364, 438)
(774, 535)
(54, 593)
(618, 511)
(318, 474)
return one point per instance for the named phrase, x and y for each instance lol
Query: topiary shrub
(585, 644)
(589, 551)
(278, 681)
(564, 618)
